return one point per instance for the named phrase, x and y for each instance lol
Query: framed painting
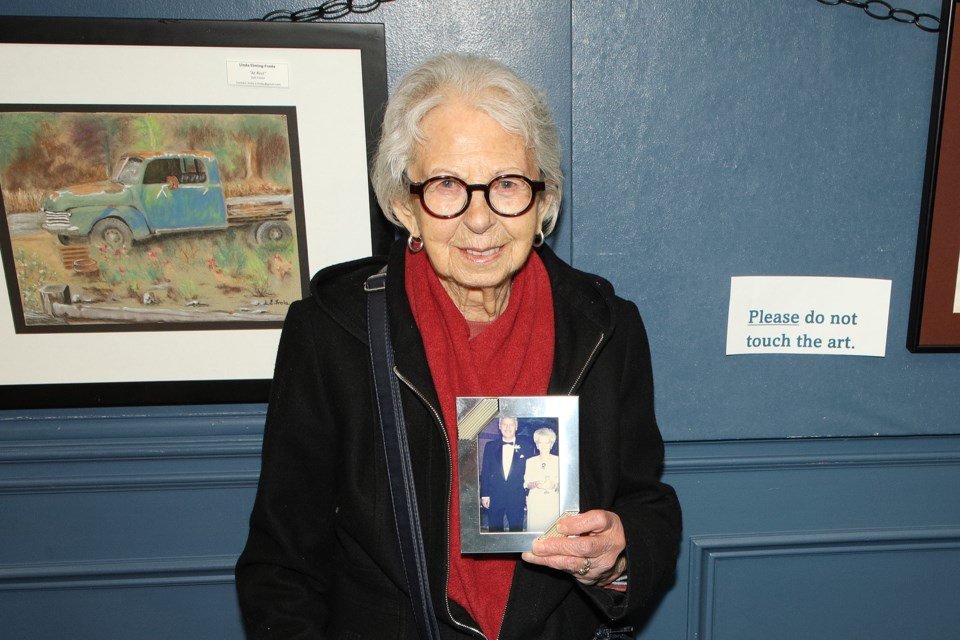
(935, 307)
(167, 188)
(519, 469)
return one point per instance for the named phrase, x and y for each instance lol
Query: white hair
(484, 84)
(545, 432)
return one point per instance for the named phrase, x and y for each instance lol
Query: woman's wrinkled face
(479, 249)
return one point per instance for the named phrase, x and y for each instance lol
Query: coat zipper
(446, 439)
(586, 365)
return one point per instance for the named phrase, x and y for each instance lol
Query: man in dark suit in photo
(501, 477)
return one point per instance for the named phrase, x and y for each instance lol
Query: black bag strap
(397, 452)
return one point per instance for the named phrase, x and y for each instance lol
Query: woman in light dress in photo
(542, 480)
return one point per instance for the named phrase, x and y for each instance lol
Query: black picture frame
(72, 389)
(934, 324)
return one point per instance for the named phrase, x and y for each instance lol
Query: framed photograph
(935, 307)
(167, 189)
(519, 469)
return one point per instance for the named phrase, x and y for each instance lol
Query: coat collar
(583, 313)
(584, 320)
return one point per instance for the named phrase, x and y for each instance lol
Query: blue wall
(704, 140)
(719, 139)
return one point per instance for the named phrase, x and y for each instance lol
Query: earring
(538, 239)
(414, 243)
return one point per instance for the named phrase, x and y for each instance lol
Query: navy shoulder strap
(397, 453)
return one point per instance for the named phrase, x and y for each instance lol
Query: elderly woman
(469, 166)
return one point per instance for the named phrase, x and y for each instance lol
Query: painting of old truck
(147, 218)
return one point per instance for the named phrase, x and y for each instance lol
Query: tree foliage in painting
(42, 151)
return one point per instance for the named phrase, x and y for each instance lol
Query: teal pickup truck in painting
(155, 193)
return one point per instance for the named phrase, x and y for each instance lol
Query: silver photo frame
(511, 494)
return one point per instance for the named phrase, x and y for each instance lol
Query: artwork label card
(258, 74)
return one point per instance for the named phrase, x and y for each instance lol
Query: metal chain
(329, 10)
(334, 9)
(880, 10)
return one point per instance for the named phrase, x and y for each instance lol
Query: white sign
(258, 74)
(794, 314)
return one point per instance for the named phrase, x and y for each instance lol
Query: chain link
(334, 9)
(329, 10)
(881, 10)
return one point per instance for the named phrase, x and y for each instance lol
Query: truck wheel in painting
(112, 232)
(273, 231)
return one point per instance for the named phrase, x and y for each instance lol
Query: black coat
(321, 560)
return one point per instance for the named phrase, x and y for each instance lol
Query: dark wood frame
(934, 326)
(367, 38)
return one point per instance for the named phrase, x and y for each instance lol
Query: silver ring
(585, 569)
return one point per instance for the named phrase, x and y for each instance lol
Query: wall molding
(128, 482)
(697, 457)
(49, 452)
(110, 428)
(197, 469)
(706, 552)
(119, 450)
(128, 573)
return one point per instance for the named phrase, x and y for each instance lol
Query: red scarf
(511, 357)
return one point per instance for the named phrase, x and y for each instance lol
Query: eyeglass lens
(448, 196)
